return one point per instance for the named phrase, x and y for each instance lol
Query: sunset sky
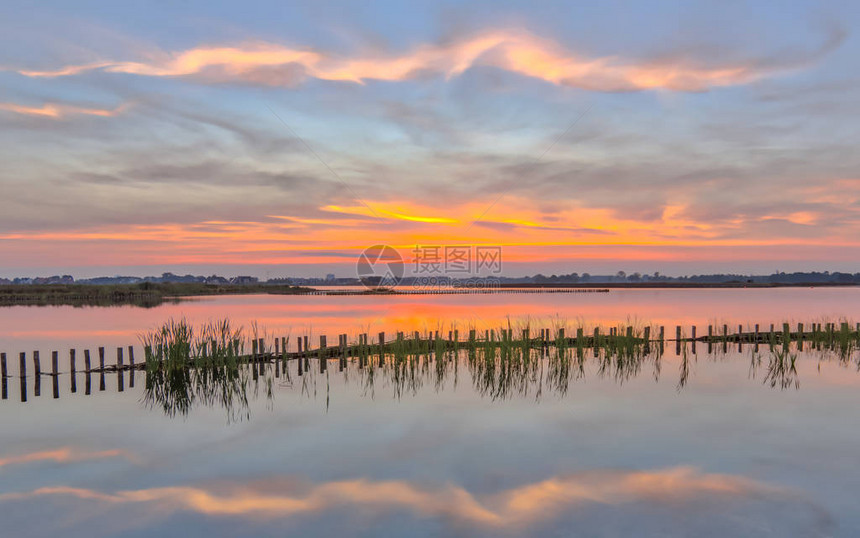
(282, 138)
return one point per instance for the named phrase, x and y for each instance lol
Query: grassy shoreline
(147, 294)
(151, 294)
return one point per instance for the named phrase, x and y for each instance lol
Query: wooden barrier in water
(844, 337)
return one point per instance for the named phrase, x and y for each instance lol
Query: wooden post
(37, 388)
(73, 371)
(299, 344)
(254, 348)
(131, 366)
(120, 385)
(3, 366)
(87, 361)
(277, 347)
(23, 373)
(101, 358)
(55, 378)
(323, 353)
(662, 333)
(800, 336)
(262, 346)
(306, 338)
(693, 337)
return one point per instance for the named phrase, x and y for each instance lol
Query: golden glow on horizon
(516, 51)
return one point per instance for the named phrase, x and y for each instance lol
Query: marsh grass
(220, 365)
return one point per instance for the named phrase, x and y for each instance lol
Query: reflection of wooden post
(323, 353)
(693, 337)
(677, 340)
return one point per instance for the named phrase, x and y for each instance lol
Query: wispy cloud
(516, 51)
(518, 506)
(59, 111)
(61, 455)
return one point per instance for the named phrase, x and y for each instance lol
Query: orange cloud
(517, 506)
(60, 455)
(515, 51)
(59, 111)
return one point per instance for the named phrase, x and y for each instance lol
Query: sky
(284, 138)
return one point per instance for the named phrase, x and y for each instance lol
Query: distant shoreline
(148, 295)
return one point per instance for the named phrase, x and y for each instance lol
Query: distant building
(329, 277)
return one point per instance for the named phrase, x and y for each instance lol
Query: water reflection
(639, 498)
(496, 372)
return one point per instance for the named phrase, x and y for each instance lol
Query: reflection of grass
(214, 365)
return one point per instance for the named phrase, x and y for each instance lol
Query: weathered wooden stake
(101, 358)
(120, 382)
(55, 379)
(73, 375)
(87, 360)
(3, 366)
(131, 366)
(22, 369)
(37, 389)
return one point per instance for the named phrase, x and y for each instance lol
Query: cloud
(61, 455)
(516, 51)
(59, 111)
(519, 506)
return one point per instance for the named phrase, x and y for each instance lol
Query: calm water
(727, 449)
(59, 328)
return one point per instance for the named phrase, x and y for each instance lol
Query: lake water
(720, 444)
